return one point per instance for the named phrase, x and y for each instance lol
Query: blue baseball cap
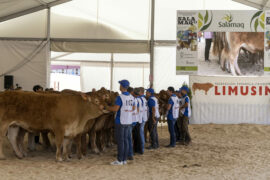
(185, 88)
(150, 90)
(124, 83)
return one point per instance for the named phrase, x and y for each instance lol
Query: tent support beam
(32, 10)
(48, 68)
(152, 43)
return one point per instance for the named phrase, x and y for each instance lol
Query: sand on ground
(217, 152)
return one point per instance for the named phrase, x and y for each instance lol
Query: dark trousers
(152, 127)
(171, 124)
(183, 126)
(207, 48)
(177, 131)
(122, 132)
(37, 139)
(136, 139)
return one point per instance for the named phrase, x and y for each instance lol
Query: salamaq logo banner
(230, 21)
(228, 18)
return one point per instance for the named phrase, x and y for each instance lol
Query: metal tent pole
(151, 78)
(48, 69)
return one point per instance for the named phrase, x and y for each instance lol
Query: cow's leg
(92, 139)
(46, 142)
(238, 71)
(232, 69)
(31, 141)
(83, 144)
(78, 140)
(20, 140)
(58, 142)
(3, 132)
(101, 139)
(66, 143)
(13, 132)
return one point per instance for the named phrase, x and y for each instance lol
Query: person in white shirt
(124, 106)
(143, 118)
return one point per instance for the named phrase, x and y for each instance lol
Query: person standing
(132, 136)
(143, 118)
(181, 113)
(153, 118)
(173, 114)
(208, 41)
(185, 108)
(124, 106)
(136, 122)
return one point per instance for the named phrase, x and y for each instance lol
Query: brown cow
(202, 86)
(63, 114)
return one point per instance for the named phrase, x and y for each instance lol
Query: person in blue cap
(185, 108)
(153, 118)
(178, 121)
(124, 106)
(173, 114)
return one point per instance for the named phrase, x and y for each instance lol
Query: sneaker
(170, 146)
(124, 162)
(117, 163)
(130, 158)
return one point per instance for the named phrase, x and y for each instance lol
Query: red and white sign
(230, 100)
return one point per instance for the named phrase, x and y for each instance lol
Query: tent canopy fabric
(258, 4)
(15, 8)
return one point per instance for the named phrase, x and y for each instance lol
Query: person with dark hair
(133, 138)
(185, 108)
(153, 118)
(143, 118)
(173, 113)
(124, 105)
(37, 88)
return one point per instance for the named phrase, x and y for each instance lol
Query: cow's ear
(84, 96)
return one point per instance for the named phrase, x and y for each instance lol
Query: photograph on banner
(186, 51)
(235, 53)
(229, 42)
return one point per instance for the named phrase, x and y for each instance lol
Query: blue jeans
(130, 141)
(171, 124)
(142, 136)
(122, 132)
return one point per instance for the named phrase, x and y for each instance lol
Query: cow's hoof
(81, 157)
(96, 151)
(67, 159)
(19, 156)
(24, 154)
(59, 159)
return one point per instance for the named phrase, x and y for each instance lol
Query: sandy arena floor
(217, 152)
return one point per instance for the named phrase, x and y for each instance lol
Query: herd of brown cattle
(69, 116)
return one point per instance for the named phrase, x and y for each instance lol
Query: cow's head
(98, 100)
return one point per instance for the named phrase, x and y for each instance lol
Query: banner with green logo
(237, 42)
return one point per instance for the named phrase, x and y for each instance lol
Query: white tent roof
(258, 4)
(10, 9)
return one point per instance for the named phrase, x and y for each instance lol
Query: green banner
(266, 68)
(186, 68)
